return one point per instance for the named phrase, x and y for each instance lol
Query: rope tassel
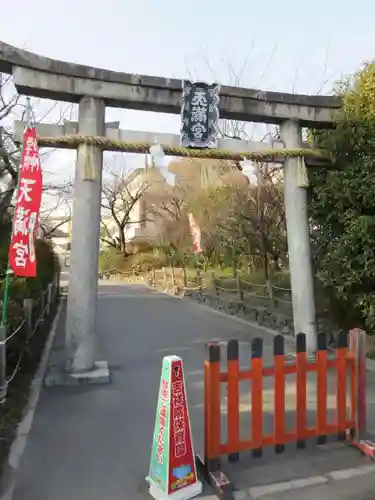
(89, 171)
(302, 177)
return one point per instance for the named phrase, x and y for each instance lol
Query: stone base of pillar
(58, 377)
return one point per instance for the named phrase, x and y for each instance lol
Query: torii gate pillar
(81, 324)
(297, 223)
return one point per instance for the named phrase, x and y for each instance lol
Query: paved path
(94, 443)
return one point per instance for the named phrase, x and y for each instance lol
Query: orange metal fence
(342, 365)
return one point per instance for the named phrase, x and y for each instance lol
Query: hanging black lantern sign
(199, 115)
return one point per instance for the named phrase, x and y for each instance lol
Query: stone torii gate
(94, 89)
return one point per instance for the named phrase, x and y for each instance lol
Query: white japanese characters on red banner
(178, 419)
(22, 257)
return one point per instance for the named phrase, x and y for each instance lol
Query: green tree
(342, 202)
(244, 221)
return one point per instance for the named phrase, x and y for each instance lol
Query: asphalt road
(94, 443)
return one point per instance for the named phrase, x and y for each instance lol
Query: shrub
(111, 258)
(19, 288)
(145, 261)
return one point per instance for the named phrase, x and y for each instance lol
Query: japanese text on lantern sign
(178, 414)
(162, 422)
(198, 116)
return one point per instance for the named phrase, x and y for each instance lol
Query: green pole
(5, 298)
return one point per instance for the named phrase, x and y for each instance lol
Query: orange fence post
(341, 355)
(233, 420)
(358, 352)
(353, 387)
(279, 384)
(212, 414)
(301, 382)
(321, 388)
(257, 397)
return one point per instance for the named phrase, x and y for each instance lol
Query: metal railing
(35, 313)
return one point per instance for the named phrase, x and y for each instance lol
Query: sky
(287, 46)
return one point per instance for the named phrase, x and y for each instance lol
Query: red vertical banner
(196, 234)
(22, 256)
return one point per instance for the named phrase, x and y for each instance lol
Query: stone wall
(277, 319)
(264, 316)
(121, 277)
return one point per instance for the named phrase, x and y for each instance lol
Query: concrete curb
(24, 427)
(297, 484)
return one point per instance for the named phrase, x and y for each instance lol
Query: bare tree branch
(11, 104)
(122, 193)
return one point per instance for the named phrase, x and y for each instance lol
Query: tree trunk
(265, 258)
(276, 260)
(123, 244)
(205, 264)
(234, 262)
